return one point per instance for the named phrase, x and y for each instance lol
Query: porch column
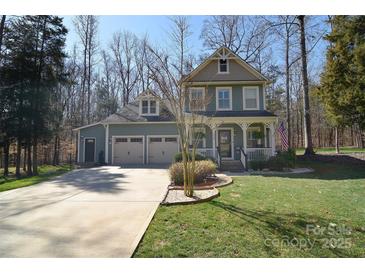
(106, 144)
(213, 126)
(272, 139)
(244, 127)
(214, 129)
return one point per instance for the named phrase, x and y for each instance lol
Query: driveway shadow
(100, 179)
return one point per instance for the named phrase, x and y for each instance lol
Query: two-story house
(237, 129)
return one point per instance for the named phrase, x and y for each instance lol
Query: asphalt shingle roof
(130, 113)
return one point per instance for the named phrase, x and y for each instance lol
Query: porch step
(232, 166)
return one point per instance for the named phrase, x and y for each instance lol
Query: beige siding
(236, 73)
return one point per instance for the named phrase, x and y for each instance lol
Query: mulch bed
(212, 182)
(202, 192)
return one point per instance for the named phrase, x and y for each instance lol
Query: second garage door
(128, 150)
(161, 150)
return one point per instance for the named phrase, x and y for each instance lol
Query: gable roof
(227, 53)
(130, 113)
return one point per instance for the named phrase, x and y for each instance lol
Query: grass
(266, 216)
(45, 172)
(300, 151)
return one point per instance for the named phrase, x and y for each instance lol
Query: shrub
(258, 164)
(203, 169)
(284, 159)
(198, 157)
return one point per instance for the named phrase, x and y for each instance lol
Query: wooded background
(46, 92)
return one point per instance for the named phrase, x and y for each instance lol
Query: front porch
(237, 142)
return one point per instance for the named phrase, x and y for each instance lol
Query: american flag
(284, 136)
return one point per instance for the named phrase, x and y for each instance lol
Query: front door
(89, 150)
(225, 143)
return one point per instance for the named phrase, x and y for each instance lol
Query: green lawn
(45, 172)
(256, 216)
(300, 151)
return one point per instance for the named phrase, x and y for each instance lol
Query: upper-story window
(148, 107)
(197, 96)
(223, 66)
(251, 98)
(224, 98)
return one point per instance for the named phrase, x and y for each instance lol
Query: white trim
(127, 123)
(94, 148)
(232, 141)
(219, 67)
(91, 125)
(257, 97)
(149, 107)
(78, 146)
(217, 89)
(128, 136)
(200, 83)
(264, 94)
(203, 91)
(160, 136)
(239, 60)
(106, 153)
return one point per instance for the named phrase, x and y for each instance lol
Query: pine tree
(32, 68)
(342, 87)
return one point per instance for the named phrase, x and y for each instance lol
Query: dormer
(149, 105)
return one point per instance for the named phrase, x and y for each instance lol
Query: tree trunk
(29, 159)
(6, 158)
(18, 157)
(307, 118)
(35, 156)
(56, 152)
(337, 140)
(287, 84)
(25, 159)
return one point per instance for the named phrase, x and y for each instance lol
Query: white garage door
(128, 150)
(161, 150)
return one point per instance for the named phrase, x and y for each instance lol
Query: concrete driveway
(97, 212)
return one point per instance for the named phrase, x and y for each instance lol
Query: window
(171, 140)
(145, 106)
(223, 66)
(224, 98)
(198, 137)
(149, 107)
(197, 99)
(152, 107)
(136, 140)
(254, 137)
(251, 98)
(155, 140)
(121, 140)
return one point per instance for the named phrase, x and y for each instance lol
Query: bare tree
(180, 33)
(244, 35)
(307, 118)
(86, 28)
(124, 47)
(166, 72)
(286, 27)
(141, 57)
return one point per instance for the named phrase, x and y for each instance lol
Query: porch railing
(256, 154)
(243, 158)
(207, 152)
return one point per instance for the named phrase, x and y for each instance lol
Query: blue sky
(155, 26)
